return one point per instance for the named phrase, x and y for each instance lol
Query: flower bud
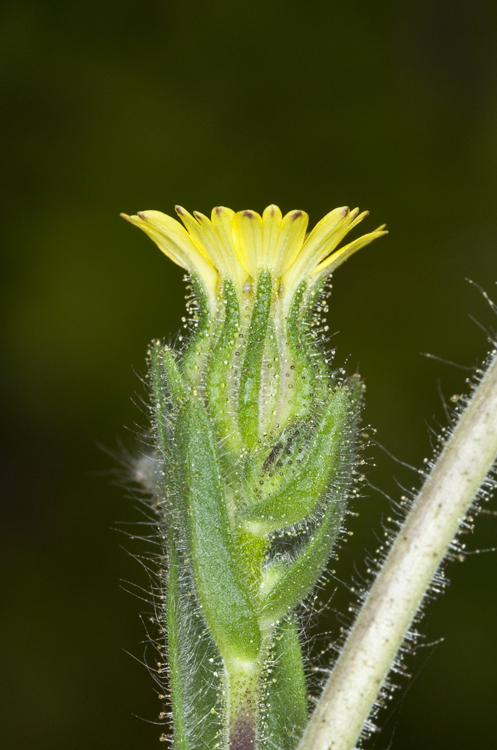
(255, 449)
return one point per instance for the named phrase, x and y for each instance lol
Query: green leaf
(313, 468)
(302, 380)
(269, 397)
(251, 375)
(302, 574)
(308, 381)
(224, 599)
(199, 344)
(160, 394)
(286, 696)
(222, 403)
(169, 391)
(196, 674)
(306, 319)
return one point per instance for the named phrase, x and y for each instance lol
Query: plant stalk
(396, 595)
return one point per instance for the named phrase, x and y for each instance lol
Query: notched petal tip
(272, 216)
(220, 212)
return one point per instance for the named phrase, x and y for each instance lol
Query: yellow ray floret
(238, 246)
(177, 244)
(269, 242)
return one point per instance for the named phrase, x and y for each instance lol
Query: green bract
(255, 444)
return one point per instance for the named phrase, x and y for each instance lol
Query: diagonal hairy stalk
(463, 467)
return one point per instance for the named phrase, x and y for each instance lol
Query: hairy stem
(243, 678)
(421, 544)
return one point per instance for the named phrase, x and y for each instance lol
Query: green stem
(421, 545)
(244, 695)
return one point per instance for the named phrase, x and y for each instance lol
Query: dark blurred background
(125, 106)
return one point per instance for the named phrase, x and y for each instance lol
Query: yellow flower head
(238, 246)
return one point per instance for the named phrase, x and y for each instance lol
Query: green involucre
(255, 439)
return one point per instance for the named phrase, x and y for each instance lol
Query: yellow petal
(222, 221)
(291, 238)
(175, 242)
(336, 259)
(321, 236)
(271, 224)
(247, 235)
(236, 246)
(321, 242)
(271, 242)
(215, 241)
(193, 232)
(330, 231)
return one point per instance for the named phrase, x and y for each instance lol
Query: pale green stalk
(396, 595)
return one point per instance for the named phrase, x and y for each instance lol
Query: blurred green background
(125, 106)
